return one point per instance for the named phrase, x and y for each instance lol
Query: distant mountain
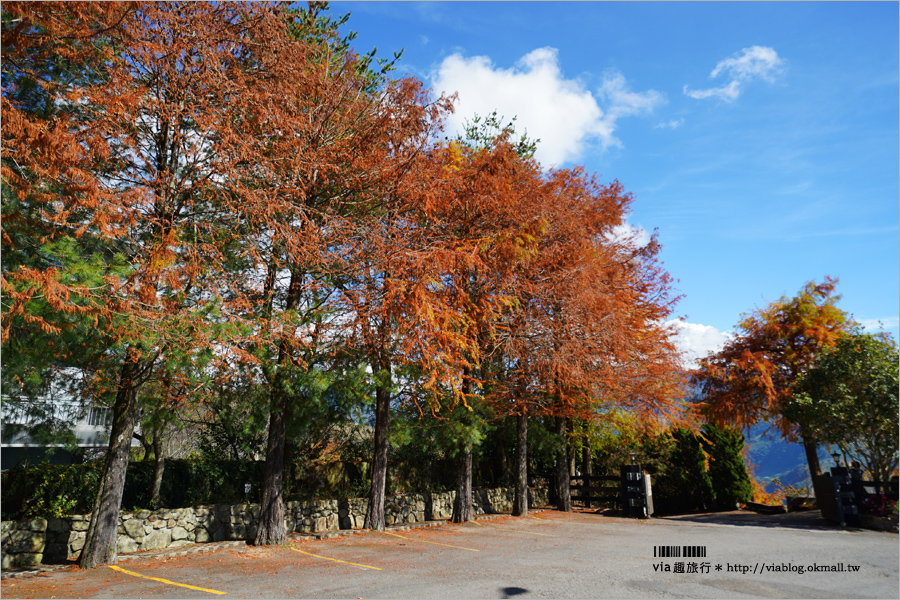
(776, 458)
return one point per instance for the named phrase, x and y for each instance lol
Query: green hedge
(49, 490)
(58, 490)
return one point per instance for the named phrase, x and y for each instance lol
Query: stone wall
(23, 541)
(54, 540)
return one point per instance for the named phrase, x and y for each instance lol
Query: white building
(90, 426)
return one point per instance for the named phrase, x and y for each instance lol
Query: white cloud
(627, 231)
(756, 62)
(558, 111)
(880, 324)
(698, 340)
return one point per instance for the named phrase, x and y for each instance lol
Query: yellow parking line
(555, 520)
(335, 560)
(166, 581)
(427, 542)
(516, 530)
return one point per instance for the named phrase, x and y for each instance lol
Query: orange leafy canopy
(749, 379)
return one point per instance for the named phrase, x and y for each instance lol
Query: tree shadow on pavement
(808, 519)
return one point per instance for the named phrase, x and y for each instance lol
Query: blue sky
(760, 139)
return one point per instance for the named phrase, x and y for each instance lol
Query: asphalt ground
(546, 555)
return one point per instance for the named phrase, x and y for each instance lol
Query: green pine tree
(727, 471)
(689, 474)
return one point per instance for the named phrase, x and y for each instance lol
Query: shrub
(58, 490)
(879, 505)
(49, 491)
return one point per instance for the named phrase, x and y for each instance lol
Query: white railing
(28, 413)
(99, 416)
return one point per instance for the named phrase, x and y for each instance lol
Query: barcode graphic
(679, 551)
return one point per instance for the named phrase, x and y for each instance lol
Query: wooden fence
(602, 489)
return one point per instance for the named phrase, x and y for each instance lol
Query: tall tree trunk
(587, 465)
(815, 470)
(520, 501)
(570, 450)
(159, 465)
(270, 525)
(375, 512)
(564, 499)
(462, 505)
(812, 457)
(505, 473)
(102, 534)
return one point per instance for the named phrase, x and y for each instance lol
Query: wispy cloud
(756, 62)
(560, 112)
(728, 93)
(672, 124)
(622, 102)
(798, 188)
(779, 230)
(881, 324)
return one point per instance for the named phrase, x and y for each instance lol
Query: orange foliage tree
(124, 159)
(588, 330)
(249, 190)
(751, 378)
(489, 183)
(340, 166)
(400, 314)
(200, 151)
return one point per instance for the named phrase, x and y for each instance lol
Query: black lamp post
(836, 455)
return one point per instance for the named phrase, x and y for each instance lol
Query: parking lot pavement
(549, 554)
